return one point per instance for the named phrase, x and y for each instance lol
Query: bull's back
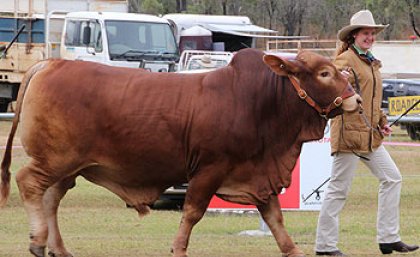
(107, 114)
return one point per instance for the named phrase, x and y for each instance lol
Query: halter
(323, 111)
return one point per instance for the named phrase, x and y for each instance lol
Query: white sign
(315, 170)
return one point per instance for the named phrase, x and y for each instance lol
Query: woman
(355, 137)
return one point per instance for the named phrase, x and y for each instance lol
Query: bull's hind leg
(51, 201)
(272, 215)
(33, 182)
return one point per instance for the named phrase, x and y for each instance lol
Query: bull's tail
(7, 157)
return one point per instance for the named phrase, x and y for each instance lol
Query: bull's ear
(280, 66)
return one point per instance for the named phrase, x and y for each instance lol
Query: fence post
(6, 116)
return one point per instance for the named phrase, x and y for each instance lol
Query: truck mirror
(86, 35)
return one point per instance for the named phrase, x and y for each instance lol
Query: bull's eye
(325, 74)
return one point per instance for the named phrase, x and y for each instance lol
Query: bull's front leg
(200, 191)
(272, 215)
(191, 215)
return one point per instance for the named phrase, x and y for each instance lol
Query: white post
(263, 226)
(263, 230)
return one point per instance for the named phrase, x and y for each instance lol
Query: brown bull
(235, 132)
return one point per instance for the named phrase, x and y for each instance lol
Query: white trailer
(229, 33)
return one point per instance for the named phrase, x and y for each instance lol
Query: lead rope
(361, 112)
(345, 142)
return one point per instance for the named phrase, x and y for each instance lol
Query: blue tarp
(10, 26)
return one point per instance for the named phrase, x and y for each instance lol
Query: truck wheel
(417, 132)
(4, 104)
(412, 132)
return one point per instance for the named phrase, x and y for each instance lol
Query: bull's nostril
(359, 99)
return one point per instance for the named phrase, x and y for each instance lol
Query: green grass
(94, 222)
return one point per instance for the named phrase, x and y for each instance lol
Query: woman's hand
(345, 73)
(386, 130)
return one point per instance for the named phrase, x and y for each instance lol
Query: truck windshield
(140, 40)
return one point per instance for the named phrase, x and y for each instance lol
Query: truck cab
(120, 39)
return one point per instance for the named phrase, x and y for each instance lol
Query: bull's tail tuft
(5, 180)
(7, 157)
(5, 166)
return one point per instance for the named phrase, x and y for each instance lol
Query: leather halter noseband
(323, 111)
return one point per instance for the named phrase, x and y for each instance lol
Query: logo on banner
(315, 195)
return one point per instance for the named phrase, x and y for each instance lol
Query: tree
(134, 6)
(202, 7)
(291, 16)
(152, 7)
(414, 13)
(181, 5)
(271, 6)
(170, 6)
(224, 7)
(235, 7)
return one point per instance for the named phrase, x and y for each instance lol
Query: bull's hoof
(36, 250)
(178, 254)
(293, 255)
(51, 254)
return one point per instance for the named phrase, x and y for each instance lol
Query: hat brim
(344, 32)
(205, 64)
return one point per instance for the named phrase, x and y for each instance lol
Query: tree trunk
(411, 9)
(224, 7)
(181, 5)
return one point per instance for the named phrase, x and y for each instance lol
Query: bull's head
(317, 81)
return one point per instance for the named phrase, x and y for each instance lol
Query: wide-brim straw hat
(206, 61)
(361, 19)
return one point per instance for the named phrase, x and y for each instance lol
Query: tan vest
(355, 134)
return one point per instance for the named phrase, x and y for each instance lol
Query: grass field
(96, 223)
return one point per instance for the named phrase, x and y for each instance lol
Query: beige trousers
(344, 165)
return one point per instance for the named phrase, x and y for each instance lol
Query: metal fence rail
(410, 119)
(6, 115)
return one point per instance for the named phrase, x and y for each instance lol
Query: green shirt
(366, 54)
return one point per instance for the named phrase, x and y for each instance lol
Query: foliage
(152, 6)
(147, 6)
(316, 18)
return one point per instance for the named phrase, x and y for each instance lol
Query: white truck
(92, 30)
